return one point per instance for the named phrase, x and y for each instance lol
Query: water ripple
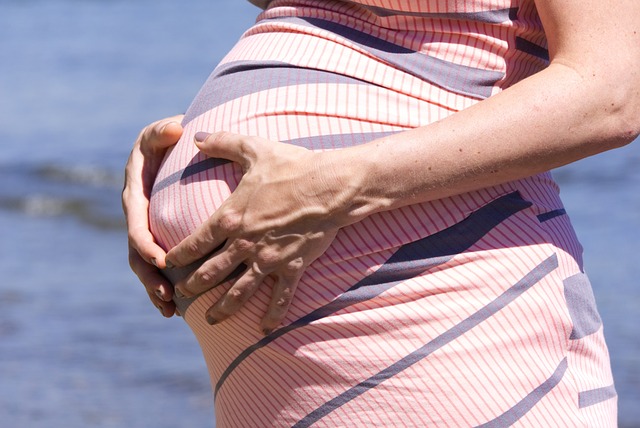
(86, 193)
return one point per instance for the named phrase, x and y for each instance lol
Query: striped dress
(468, 311)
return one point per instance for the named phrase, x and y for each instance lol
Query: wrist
(352, 186)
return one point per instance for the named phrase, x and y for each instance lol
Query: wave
(87, 193)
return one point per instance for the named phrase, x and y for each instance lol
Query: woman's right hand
(145, 256)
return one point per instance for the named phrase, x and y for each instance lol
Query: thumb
(160, 135)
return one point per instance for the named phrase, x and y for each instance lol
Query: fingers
(281, 297)
(212, 272)
(141, 240)
(202, 242)
(135, 206)
(145, 256)
(158, 288)
(237, 148)
(161, 134)
(243, 288)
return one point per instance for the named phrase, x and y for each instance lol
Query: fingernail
(201, 136)
(211, 320)
(159, 294)
(179, 294)
(154, 262)
(169, 264)
(267, 331)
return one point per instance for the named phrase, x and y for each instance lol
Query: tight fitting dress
(462, 312)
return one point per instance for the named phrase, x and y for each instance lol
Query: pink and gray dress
(462, 312)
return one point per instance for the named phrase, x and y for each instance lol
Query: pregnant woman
(360, 225)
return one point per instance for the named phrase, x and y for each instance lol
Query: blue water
(80, 346)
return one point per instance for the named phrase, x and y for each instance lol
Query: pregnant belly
(314, 109)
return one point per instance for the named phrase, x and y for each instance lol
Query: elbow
(622, 110)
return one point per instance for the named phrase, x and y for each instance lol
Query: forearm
(553, 118)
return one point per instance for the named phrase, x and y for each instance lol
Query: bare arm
(587, 101)
(291, 202)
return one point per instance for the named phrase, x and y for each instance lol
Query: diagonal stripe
(595, 396)
(409, 261)
(338, 141)
(519, 410)
(447, 337)
(334, 141)
(457, 78)
(191, 169)
(488, 16)
(551, 215)
(240, 78)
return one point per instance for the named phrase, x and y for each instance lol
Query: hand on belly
(278, 220)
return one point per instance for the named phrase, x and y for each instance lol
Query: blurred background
(80, 345)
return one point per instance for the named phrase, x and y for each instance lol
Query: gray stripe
(332, 141)
(532, 278)
(490, 16)
(595, 396)
(191, 169)
(582, 306)
(337, 141)
(240, 78)
(457, 78)
(551, 215)
(519, 410)
(408, 261)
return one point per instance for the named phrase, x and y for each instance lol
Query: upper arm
(594, 32)
(600, 41)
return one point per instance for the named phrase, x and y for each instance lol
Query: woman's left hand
(281, 217)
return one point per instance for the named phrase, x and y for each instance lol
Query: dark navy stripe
(551, 214)
(240, 78)
(461, 79)
(532, 49)
(490, 16)
(595, 396)
(519, 410)
(532, 278)
(409, 261)
(331, 141)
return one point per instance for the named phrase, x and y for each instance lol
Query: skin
(145, 256)
(291, 202)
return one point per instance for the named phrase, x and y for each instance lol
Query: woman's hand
(280, 218)
(145, 256)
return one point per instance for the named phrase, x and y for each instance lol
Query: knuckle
(191, 248)
(243, 245)
(267, 258)
(284, 299)
(205, 277)
(236, 296)
(294, 267)
(230, 221)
